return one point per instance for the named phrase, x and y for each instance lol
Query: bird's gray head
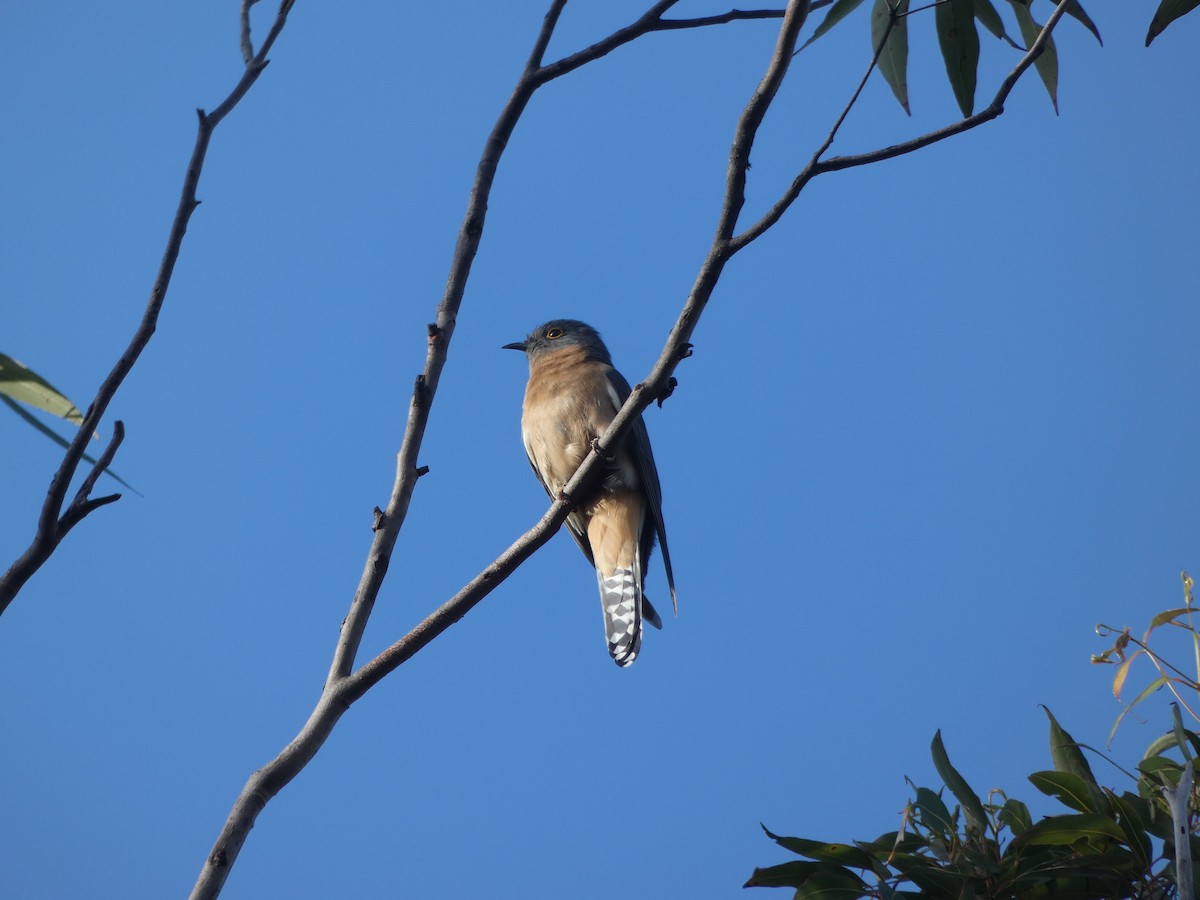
(559, 334)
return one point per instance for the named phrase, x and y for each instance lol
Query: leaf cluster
(1183, 685)
(957, 23)
(1104, 845)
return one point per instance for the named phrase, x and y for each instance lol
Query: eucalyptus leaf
(1076, 12)
(959, 41)
(889, 31)
(933, 813)
(22, 383)
(990, 19)
(1068, 829)
(1168, 11)
(1168, 615)
(958, 786)
(1070, 790)
(823, 851)
(1169, 740)
(1065, 752)
(60, 440)
(1046, 63)
(1015, 815)
(789, 874)
(837, 12)
(831, 885)
(1132, 826)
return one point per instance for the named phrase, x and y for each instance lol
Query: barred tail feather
(620, 595)
(613, 528)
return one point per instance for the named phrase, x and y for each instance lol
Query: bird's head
(560, 334)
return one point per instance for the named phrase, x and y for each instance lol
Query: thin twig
(837, 125)
(644, 24)
(82, 505)
(49, 529)
(244, 21)
(734, 15)
(817, 167)
(925, 7)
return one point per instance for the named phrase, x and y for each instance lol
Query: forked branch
(53, 522)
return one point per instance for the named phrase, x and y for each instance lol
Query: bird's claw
(598, 450)
(672, 383)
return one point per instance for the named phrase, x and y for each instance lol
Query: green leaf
(1168, 615)
(959, 41)
(1068, 829)
(892, 842)
(832, 885)
(1156, 765)
(958, 786)
(1068, 758)
(1169, 740)
(1047, 63)
(1158, 683)
(1075, 11)
(984, 862)
(1084, 877)
(933, 881)
(1132, 826)
(789, 874)
(60, 440)
(1065, 752)
(837, 12)
(843, 854)
(1070, 790)
(22, 383)
(1015, 815)
(990, 19)
(1180, 731)
(933, 814)
(889, 29)
(1168, 11)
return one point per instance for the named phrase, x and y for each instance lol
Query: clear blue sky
(939, 423)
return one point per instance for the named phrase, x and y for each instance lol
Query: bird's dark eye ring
(554, 333)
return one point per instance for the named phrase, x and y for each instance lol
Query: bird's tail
(613, 530)
(620, 595)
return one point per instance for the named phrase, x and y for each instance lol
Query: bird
(572, 395)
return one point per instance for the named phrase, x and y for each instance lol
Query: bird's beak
(519, 345)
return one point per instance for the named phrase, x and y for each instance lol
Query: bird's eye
(554, 333)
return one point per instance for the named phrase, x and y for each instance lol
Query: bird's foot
(600, 451)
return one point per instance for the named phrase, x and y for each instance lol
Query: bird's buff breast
(567, 404)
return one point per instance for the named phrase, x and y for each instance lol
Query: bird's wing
(643, 457)
(574, 523)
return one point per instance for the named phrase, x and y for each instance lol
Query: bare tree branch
(341, 689)
(343, 686)
(52, 524)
